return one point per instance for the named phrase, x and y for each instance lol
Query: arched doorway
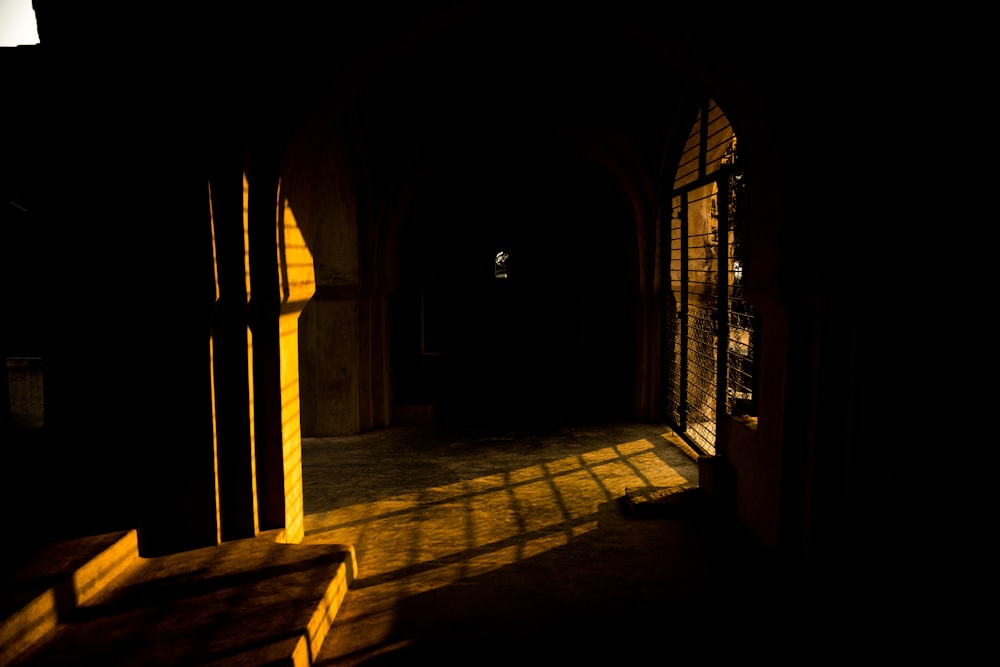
(711, 328)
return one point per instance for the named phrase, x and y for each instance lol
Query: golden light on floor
(435, 536)
(433, 525)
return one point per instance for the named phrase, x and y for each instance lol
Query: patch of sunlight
(656, 475)
(634, 447)
(344, 518)
(526, 474)
(296, 270)
(579, 493)
(436, 536)
(555, 468)
(483, 484)
(598, 455)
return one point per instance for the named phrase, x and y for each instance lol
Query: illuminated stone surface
(463, 543)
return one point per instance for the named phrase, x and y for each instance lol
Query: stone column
(233, 357)
(283, 281)
(164, 350)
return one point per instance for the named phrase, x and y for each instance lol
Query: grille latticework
(710, 343)
(740, 363)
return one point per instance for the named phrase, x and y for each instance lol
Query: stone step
(43, 582)
(247, 602)
(662, 500)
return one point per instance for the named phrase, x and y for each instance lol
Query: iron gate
(710, 342)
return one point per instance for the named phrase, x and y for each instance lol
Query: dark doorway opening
(547, 338)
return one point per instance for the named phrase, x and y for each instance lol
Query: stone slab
(248, 602)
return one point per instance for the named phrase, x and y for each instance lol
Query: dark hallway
(446, 244)
(552, 337)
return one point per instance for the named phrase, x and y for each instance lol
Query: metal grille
(705, 268)
(741, 360)
(672, 334)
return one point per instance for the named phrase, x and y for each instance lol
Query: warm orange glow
(253, 446)
(459, 531)
(215, 442)
(246, 278)
(497, 517)
(695, 275)
(39, 616)
(295, 262)
(297, 282)
(211, 373)
(294, 529)
(246, 233)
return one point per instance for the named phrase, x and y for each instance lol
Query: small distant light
(737, 270)
(500, 264)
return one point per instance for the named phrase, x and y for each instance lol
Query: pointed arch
(710, 335)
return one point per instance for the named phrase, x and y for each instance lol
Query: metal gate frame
(710, 342)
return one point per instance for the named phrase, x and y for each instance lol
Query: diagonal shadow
(657, 589)
(500, 536)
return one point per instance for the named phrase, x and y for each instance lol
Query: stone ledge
(652, 500)
(54, 581)
(248, 602)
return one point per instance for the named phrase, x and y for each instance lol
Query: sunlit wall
(297, 281)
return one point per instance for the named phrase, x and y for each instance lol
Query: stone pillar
(233, 358)
(166, 358)
(283, 281)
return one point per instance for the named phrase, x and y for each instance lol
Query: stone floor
(494, 545)
(476, 548)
